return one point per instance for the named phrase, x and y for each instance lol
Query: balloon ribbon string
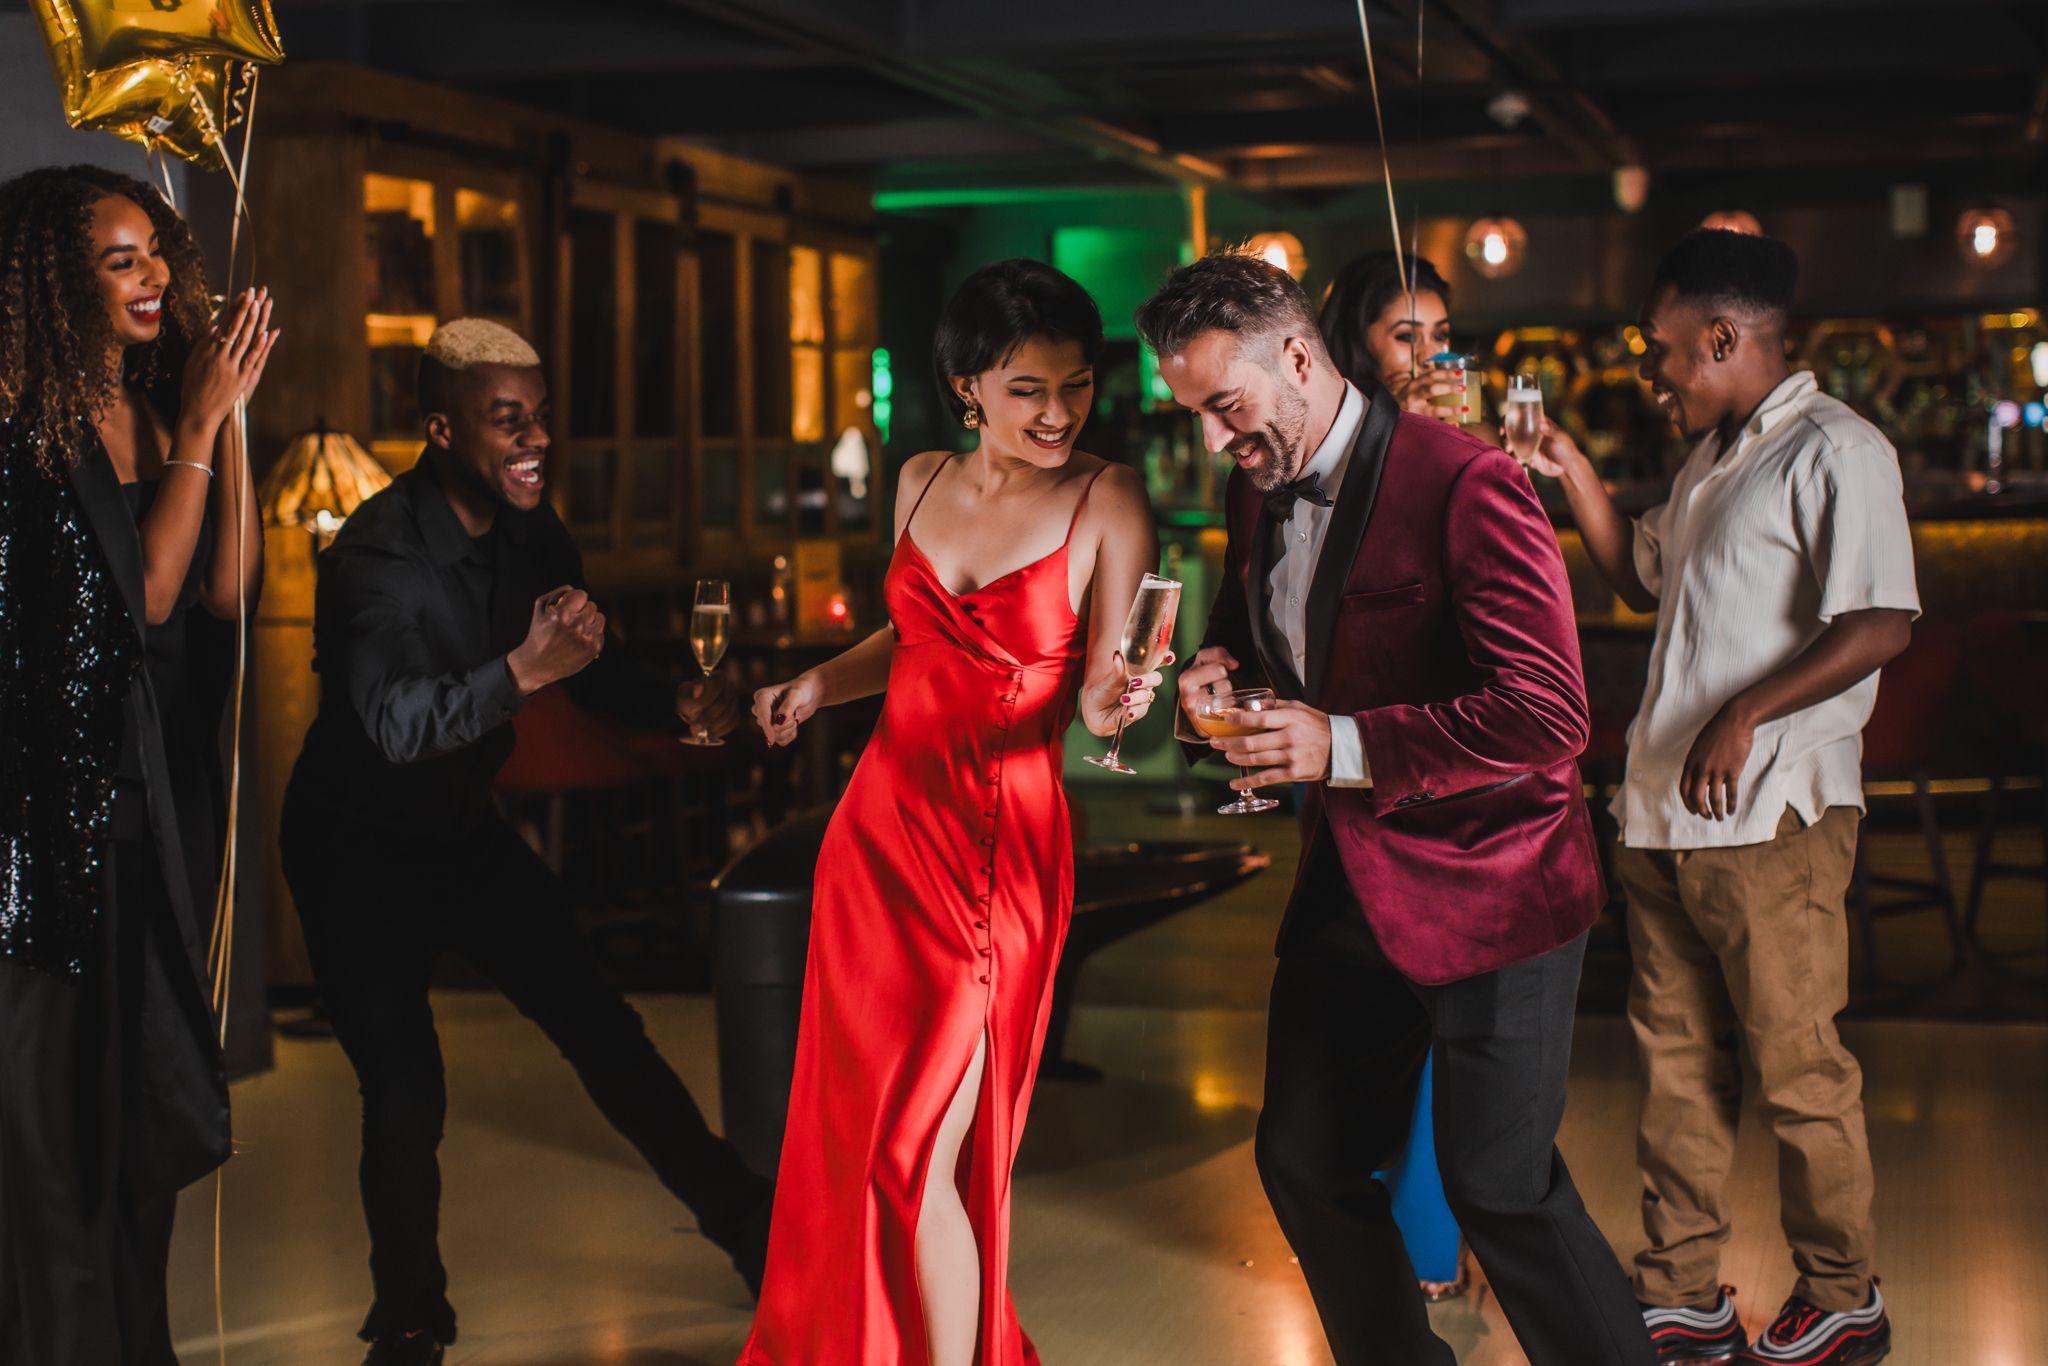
(221, 951)
(1386, 163)
(162, 165)
(241, 177)
(1415, 203)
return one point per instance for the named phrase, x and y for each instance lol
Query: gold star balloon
(164, 73)
(113, 33)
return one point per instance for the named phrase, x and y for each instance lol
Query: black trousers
(83, 1248)
(1346, 1043)
(377, 910)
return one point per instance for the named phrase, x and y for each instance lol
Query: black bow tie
(1280, 502)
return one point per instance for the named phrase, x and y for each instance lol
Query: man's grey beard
(1284, 437)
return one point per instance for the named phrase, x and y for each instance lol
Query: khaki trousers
(1745, 950)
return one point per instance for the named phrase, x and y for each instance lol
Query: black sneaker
(405, 1349)
(1696, 1337)
(1802, 1335)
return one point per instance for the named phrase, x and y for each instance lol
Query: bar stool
(1901, 740)
(563, 750)
(2008, 654)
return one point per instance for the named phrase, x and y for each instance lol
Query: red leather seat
(2006, 665)
(563, 748)
(1914, 693)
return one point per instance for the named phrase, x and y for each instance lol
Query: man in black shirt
(448, 599)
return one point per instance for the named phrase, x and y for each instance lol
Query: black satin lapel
(1346, 533)
(99, 494)
(1258, 568)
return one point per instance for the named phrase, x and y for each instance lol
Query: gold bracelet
(206, 470)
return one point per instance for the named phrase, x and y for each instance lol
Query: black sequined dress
(112, 1095)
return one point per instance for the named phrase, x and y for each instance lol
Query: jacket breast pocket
(1381, 599)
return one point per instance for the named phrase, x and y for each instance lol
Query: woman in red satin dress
(945, 883)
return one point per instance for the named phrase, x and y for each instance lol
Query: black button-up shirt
(412, 621)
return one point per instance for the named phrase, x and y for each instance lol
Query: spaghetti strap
(1085, 490)
(928, 488)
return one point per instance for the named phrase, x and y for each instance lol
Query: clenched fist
(566, 633)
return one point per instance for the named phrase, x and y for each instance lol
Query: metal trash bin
(763, 933)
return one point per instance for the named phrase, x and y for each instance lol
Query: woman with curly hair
(111, 1091)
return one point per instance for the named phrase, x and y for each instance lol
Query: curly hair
(54, 331)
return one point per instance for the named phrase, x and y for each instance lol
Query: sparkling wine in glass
(1148, 637)
(710, 631)
(1524, 417)
(1221, 716)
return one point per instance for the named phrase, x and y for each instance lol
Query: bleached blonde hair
(467, 343)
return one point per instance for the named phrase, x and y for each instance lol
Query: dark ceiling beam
(1221, 32)
(500, 43)
(990, 89)
(1563, 111)
(844, 146)
(1728, 148)
(1726, 60)
(728, 104)
(1528, 14)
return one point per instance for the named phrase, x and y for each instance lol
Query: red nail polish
(778, 718)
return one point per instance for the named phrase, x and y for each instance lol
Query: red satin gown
(943, 892)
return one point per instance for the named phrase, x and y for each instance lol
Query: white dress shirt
(1293, 569)
(1757, 551)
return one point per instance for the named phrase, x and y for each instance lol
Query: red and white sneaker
(1696, 1337)
(1803, 1335)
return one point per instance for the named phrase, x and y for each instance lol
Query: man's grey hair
(1228, 291)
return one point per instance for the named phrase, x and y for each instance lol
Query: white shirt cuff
(1347, 754)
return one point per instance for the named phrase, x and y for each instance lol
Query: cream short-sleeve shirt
(1755, 553)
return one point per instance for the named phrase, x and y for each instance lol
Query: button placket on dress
(985, 944)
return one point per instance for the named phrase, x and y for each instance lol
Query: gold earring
(972, 418)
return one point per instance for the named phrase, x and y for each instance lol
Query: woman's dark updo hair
(1357, 297)
(54, 333)
(998, 309)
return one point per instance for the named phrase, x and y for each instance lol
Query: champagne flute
(1523, 419)
(710, 630)
(1148, 636)
(1216, 717)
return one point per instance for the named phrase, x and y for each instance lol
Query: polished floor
(1141, 1233)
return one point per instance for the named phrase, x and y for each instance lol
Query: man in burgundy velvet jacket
(1396, 582)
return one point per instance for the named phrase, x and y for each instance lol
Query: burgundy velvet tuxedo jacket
(1440, 617)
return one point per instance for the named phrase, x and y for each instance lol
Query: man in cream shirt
(1781, 571)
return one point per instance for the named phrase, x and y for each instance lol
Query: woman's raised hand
(780, 709)
(1414, 393)
(227, 362)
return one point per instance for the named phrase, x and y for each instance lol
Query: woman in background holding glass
(1383, 330)
(945, 883)
(1380, 330)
